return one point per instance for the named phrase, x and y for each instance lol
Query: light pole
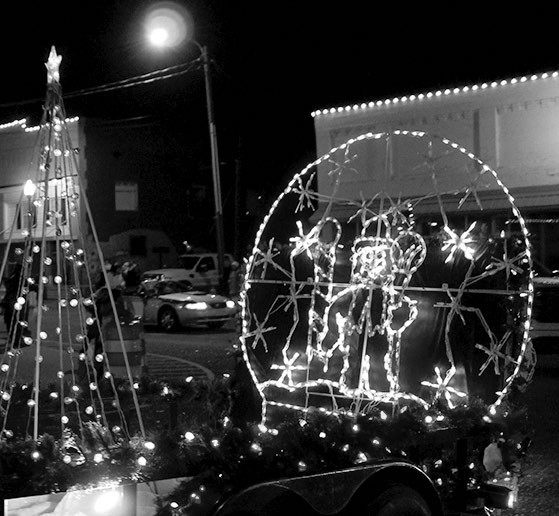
(215, 164)
(167, 27)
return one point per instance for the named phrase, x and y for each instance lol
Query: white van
(197, 269)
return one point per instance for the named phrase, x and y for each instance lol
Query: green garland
(91, 453)
(201, 442)
(232, 458)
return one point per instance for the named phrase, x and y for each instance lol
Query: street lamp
(29, 189)
(166, 27)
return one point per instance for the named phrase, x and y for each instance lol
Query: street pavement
(197, 353)
(203, 354)
(539, 482)
(200, 355)
(158, 366)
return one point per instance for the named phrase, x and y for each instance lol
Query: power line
(147, 78)
(158, 75)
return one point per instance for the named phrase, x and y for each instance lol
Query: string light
(429, 95)
(36, 128)
(58, 181)
(14, 123)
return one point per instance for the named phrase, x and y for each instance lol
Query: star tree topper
(53, 65)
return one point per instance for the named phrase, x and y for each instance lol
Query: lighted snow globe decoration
(418, 292)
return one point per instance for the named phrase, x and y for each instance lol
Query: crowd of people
(14, 290)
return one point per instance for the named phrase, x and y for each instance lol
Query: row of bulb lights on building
(22, 123)
(431, 94)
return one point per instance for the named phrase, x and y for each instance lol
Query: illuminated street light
(29, 188)
(158, 37)
(167, 27)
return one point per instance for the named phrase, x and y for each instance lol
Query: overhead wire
(158, 75)
(147, 78)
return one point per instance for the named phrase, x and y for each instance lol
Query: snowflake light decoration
(365, 301)
(463, 242)
(442, 387)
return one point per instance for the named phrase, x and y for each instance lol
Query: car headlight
(230, 304)
(200, 305)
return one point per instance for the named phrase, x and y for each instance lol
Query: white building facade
(511, 125)
(19, 162)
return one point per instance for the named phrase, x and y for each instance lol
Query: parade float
(385, 347)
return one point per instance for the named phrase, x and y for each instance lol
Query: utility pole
(215, 168)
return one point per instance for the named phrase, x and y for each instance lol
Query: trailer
(404, 313)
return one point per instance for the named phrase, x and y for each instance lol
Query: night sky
(275, 62)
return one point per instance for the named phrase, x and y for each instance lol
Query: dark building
(146, 192)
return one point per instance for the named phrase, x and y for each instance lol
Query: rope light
(316, 358)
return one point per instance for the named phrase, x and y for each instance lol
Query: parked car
(544, 329)
(171, 304)
(198, 269)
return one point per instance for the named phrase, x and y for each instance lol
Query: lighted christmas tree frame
(59, 248)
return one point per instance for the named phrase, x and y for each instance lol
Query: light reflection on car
(171, 305)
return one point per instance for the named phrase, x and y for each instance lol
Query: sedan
(172, 304)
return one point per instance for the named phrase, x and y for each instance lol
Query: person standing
(116, 279)
(131, 275)
(235, 281)
(13, 286)
(114, 275)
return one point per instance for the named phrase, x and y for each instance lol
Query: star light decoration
(306, 194)
(53, 66)
(442, 387)
(456, 242)
(267, 258)
(507, 263)
(455, 305)
(339, 168)
(330, 322)
(304, 242)
(258, 333)
(364, 213)
(401, 212)
(495, 352)
(288, 368)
